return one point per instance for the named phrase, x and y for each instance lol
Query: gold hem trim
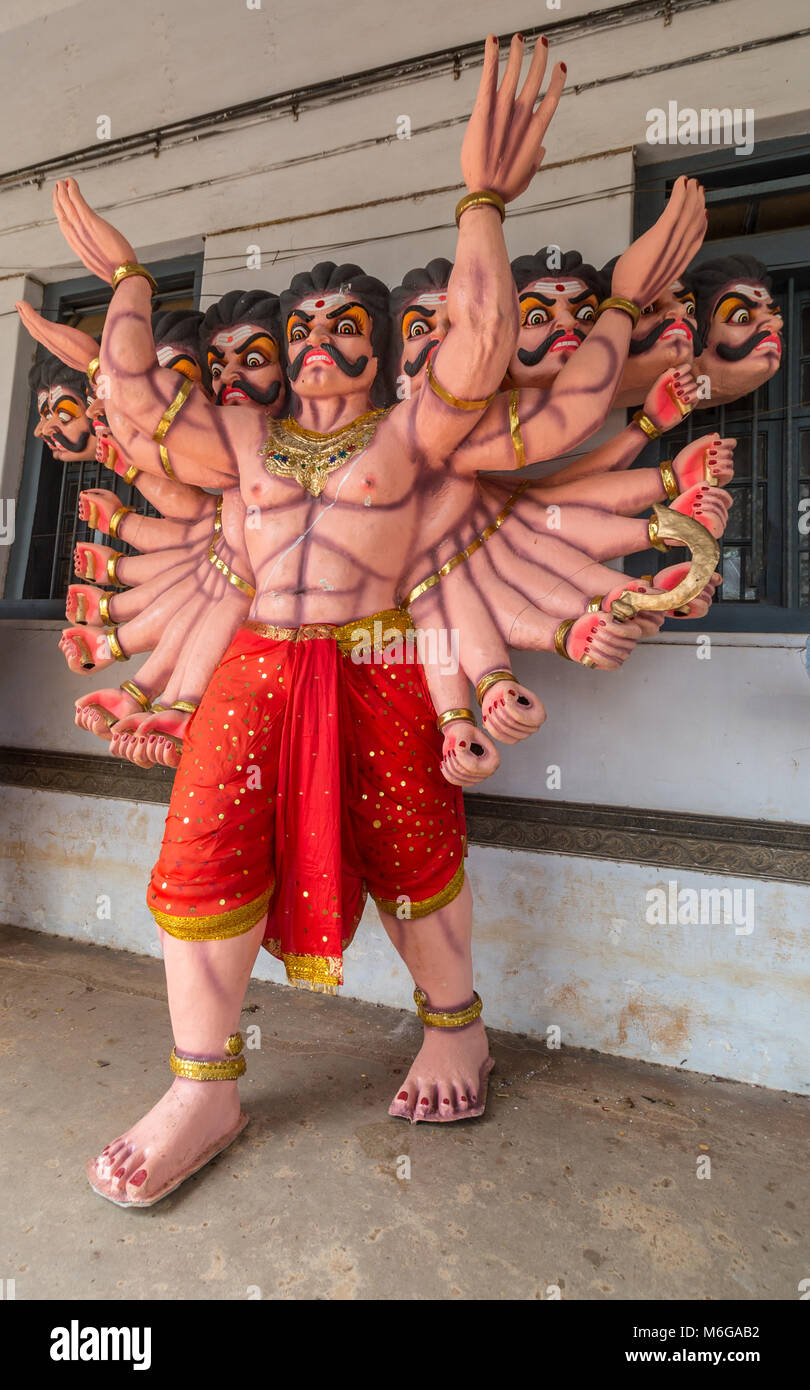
(214, 926)
(427, 905)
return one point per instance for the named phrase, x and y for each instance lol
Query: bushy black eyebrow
(736, 294)
(535, 294)
(300, 314)
(343, 308)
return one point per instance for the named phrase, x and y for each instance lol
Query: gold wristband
(128, 268)
(130, 688)
(514, 430)
(645, 423)
(92, 368)
(450, 715)
(112, 566)
(595, 604)
(669, 480)
(486, 683)
(476, 200)
(653, 533)
(115, 646)
(185, 706)
(131, 474)
(615, 301)
(449, 398)
(560, 637)
(115, 521)
(166, 421)
(104, 609)
(447, 1018)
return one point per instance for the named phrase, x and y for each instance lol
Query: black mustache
(350, 368)
(64, 443)
(638, 345)
(735, 354)
(530, 358)
(260, 397)
(411, 368)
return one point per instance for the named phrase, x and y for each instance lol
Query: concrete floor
(582, 1174)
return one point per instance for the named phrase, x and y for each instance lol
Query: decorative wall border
(674, 839)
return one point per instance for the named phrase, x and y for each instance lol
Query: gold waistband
(377, 629)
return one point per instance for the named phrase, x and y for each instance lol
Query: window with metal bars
(765, 552)
(48, 525)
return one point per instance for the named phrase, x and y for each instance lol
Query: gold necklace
(290, 451)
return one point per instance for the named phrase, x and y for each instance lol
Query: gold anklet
(130, 688)
(447, 1018)
(199, 1069)
(115, 521)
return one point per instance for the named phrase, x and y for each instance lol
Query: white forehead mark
(329, 301)
(555, 287)
(166, 353)
(54, 394)
(234, 337)
(678, 286)
(758, 292)
(431, 301)
(42, 397)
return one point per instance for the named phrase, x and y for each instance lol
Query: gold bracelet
(184, 706)
(92, 368)
(595, 604)
(514, 430)
(560, 638)
(645, 423)
(653, 533)
(615, 301)
(135, 691)
(450, 715)
(491, 678)
(199, 1069)
(450, 399)
(131, 474)
(112, 566)
(115, 521)
(669, 480)
(110, 457)
(480, 199)
(447, 1018)
(115, 646)
(128, 268)
(104, 609)
(166, 421)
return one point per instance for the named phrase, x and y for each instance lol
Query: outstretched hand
(659, 255)
(503, 142)
(96, 242)
(70, 345)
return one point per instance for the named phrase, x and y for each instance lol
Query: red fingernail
(563, 67)
(403, 1095)
(462, 744)
(119, 1173)
(424, 1101)
(138, 1178)
(544, 41)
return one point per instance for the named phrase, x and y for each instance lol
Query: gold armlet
(130, 688)
(92, 368)
(645, 423)
(115, 521)
(185, 706)
(669, 480)
(104, 609)
(450, 715)
(115, 646)
(200, 1069)
(595, 604)
(480, 199)
(447, 1018)
(486, 683)
(131, 474)
(560, 638)
(112, 566)
(615, 301)
(166, 421)
(128, 268)
(514, 430)
(450, 399)
(653, 532)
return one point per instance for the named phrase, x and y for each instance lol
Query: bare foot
(191, 1123)
(448, 1079)
(100, 711)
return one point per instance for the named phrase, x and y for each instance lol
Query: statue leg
(448, 1079)
(194, 1120)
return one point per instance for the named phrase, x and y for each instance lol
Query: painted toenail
(463, 1097)
(119, 1173)
(424, 1101)
(403, 1095)
(445, 1102)
(138, 1178)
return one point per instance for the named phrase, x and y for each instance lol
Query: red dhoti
(309, 778)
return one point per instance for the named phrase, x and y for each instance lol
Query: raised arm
(502, 151)
(205, 445)
(529, 426)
